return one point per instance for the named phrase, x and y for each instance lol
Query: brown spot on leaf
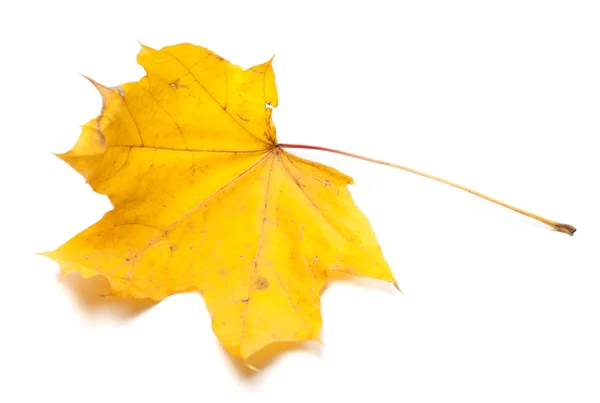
(261, 283)
(242, 118)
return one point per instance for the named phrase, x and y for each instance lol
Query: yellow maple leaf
(206, 199)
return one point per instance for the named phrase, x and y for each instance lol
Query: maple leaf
(206, 199)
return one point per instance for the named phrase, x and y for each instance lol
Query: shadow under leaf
(91, 293)
(270, 354)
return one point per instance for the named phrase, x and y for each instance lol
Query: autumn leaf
(205, 199)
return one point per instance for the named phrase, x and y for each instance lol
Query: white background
(501, 96)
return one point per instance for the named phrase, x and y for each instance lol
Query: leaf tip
(320, 341)
(52, 255)
(397, 287)
(91, 80)
(103, 90)
(61, 156)
(49, 254)
(145, 48)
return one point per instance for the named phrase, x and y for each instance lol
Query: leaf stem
(566, 228)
